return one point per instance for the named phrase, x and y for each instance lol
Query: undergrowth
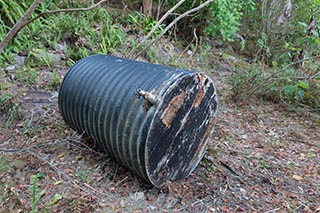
(102, 31)
(10, 109)
(290, 86)
(82, 32)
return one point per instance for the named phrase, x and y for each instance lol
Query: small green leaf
(303, 24)
(289, 90)
(317, 41)
(317, 2)
(302, 85)
(300, 41)
(54, 200)
(40, 175)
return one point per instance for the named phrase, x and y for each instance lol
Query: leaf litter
(261, 158)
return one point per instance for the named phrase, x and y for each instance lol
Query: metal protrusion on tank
(151, 98)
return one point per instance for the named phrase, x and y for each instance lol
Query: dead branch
(229, 168)
(24, 22)
(18, 26)
(195, 38)
(45, 144)
(197, 41)
(297, 62)
(172, 24)
(155, 27)
(66, 11)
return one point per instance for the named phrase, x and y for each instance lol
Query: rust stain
(198, 98)
(170, 112)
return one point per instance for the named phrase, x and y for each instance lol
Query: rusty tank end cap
(181, 126)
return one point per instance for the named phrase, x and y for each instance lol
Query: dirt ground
(261, 158)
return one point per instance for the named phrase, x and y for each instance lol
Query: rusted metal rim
(182, 123)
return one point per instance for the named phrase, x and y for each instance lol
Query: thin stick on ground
(172, 24)
(24, 19)
(73, 181)
(45, 144)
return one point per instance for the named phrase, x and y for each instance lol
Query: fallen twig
(73, 181)
(229, 168)
(82, 146)
(273, 210)
(21, 149)
(121, 181)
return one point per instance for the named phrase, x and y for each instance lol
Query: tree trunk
(147, 8)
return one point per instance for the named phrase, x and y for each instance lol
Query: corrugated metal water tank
(154, 120)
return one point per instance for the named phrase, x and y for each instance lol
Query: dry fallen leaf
(297, 177)
(224, 208)
(57, 183)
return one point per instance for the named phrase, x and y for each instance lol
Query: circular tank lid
(178, 134)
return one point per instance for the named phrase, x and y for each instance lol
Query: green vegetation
(34, 192)
(138, 22)
(54, 82)
(286, 85)
(81, 176)
(82, 32)
(283, 56)
(28, 75)
(9, 105)
(225, 17)
(254, 61)
(219, 20)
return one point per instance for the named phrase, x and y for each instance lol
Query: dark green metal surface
(153, 119)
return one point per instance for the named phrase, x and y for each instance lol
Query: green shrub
(27, 75)
(284, 85)
(225, 17)
(220, 19)
(279, 44)
(83, 32)
(138, 22)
